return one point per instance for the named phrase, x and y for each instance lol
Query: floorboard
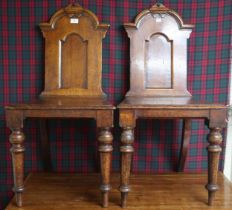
(177, 191)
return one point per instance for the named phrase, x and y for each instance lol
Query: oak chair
(73, 77)
(158, 89)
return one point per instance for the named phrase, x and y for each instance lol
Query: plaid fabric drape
(73, 142)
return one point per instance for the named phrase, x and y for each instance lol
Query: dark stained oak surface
(73, 53)
(73, 89)
(158, 53)
(64, 103)
(158, 89)
(46, 191)
(167, 102)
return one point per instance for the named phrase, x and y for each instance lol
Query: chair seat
(167, 103)
(64, 103)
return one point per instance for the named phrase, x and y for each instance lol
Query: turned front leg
(214, 149)
(126, 149)
(17, 151)
(105, 148)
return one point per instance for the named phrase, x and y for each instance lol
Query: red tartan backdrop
(73, 142)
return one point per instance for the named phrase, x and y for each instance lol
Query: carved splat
(73, 53)
(158, 53)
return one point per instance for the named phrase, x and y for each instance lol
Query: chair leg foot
(18, 199)
(105, 199)
(123, 199)
(211, 196)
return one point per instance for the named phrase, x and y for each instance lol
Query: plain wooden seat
(158, 89)
(167, 103)
(64, 103)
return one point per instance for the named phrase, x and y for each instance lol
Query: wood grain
(73, 89)
(186, 134)
(158, 63)
(71, 191)
(74, 62)
(65, 103)
(158, 53)
(45, 145)
(73, 53)
(158, 86)
(172, 102)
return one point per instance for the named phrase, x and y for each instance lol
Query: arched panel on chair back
(73, 53)
(158, 53)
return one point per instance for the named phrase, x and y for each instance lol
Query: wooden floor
(149, 192)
